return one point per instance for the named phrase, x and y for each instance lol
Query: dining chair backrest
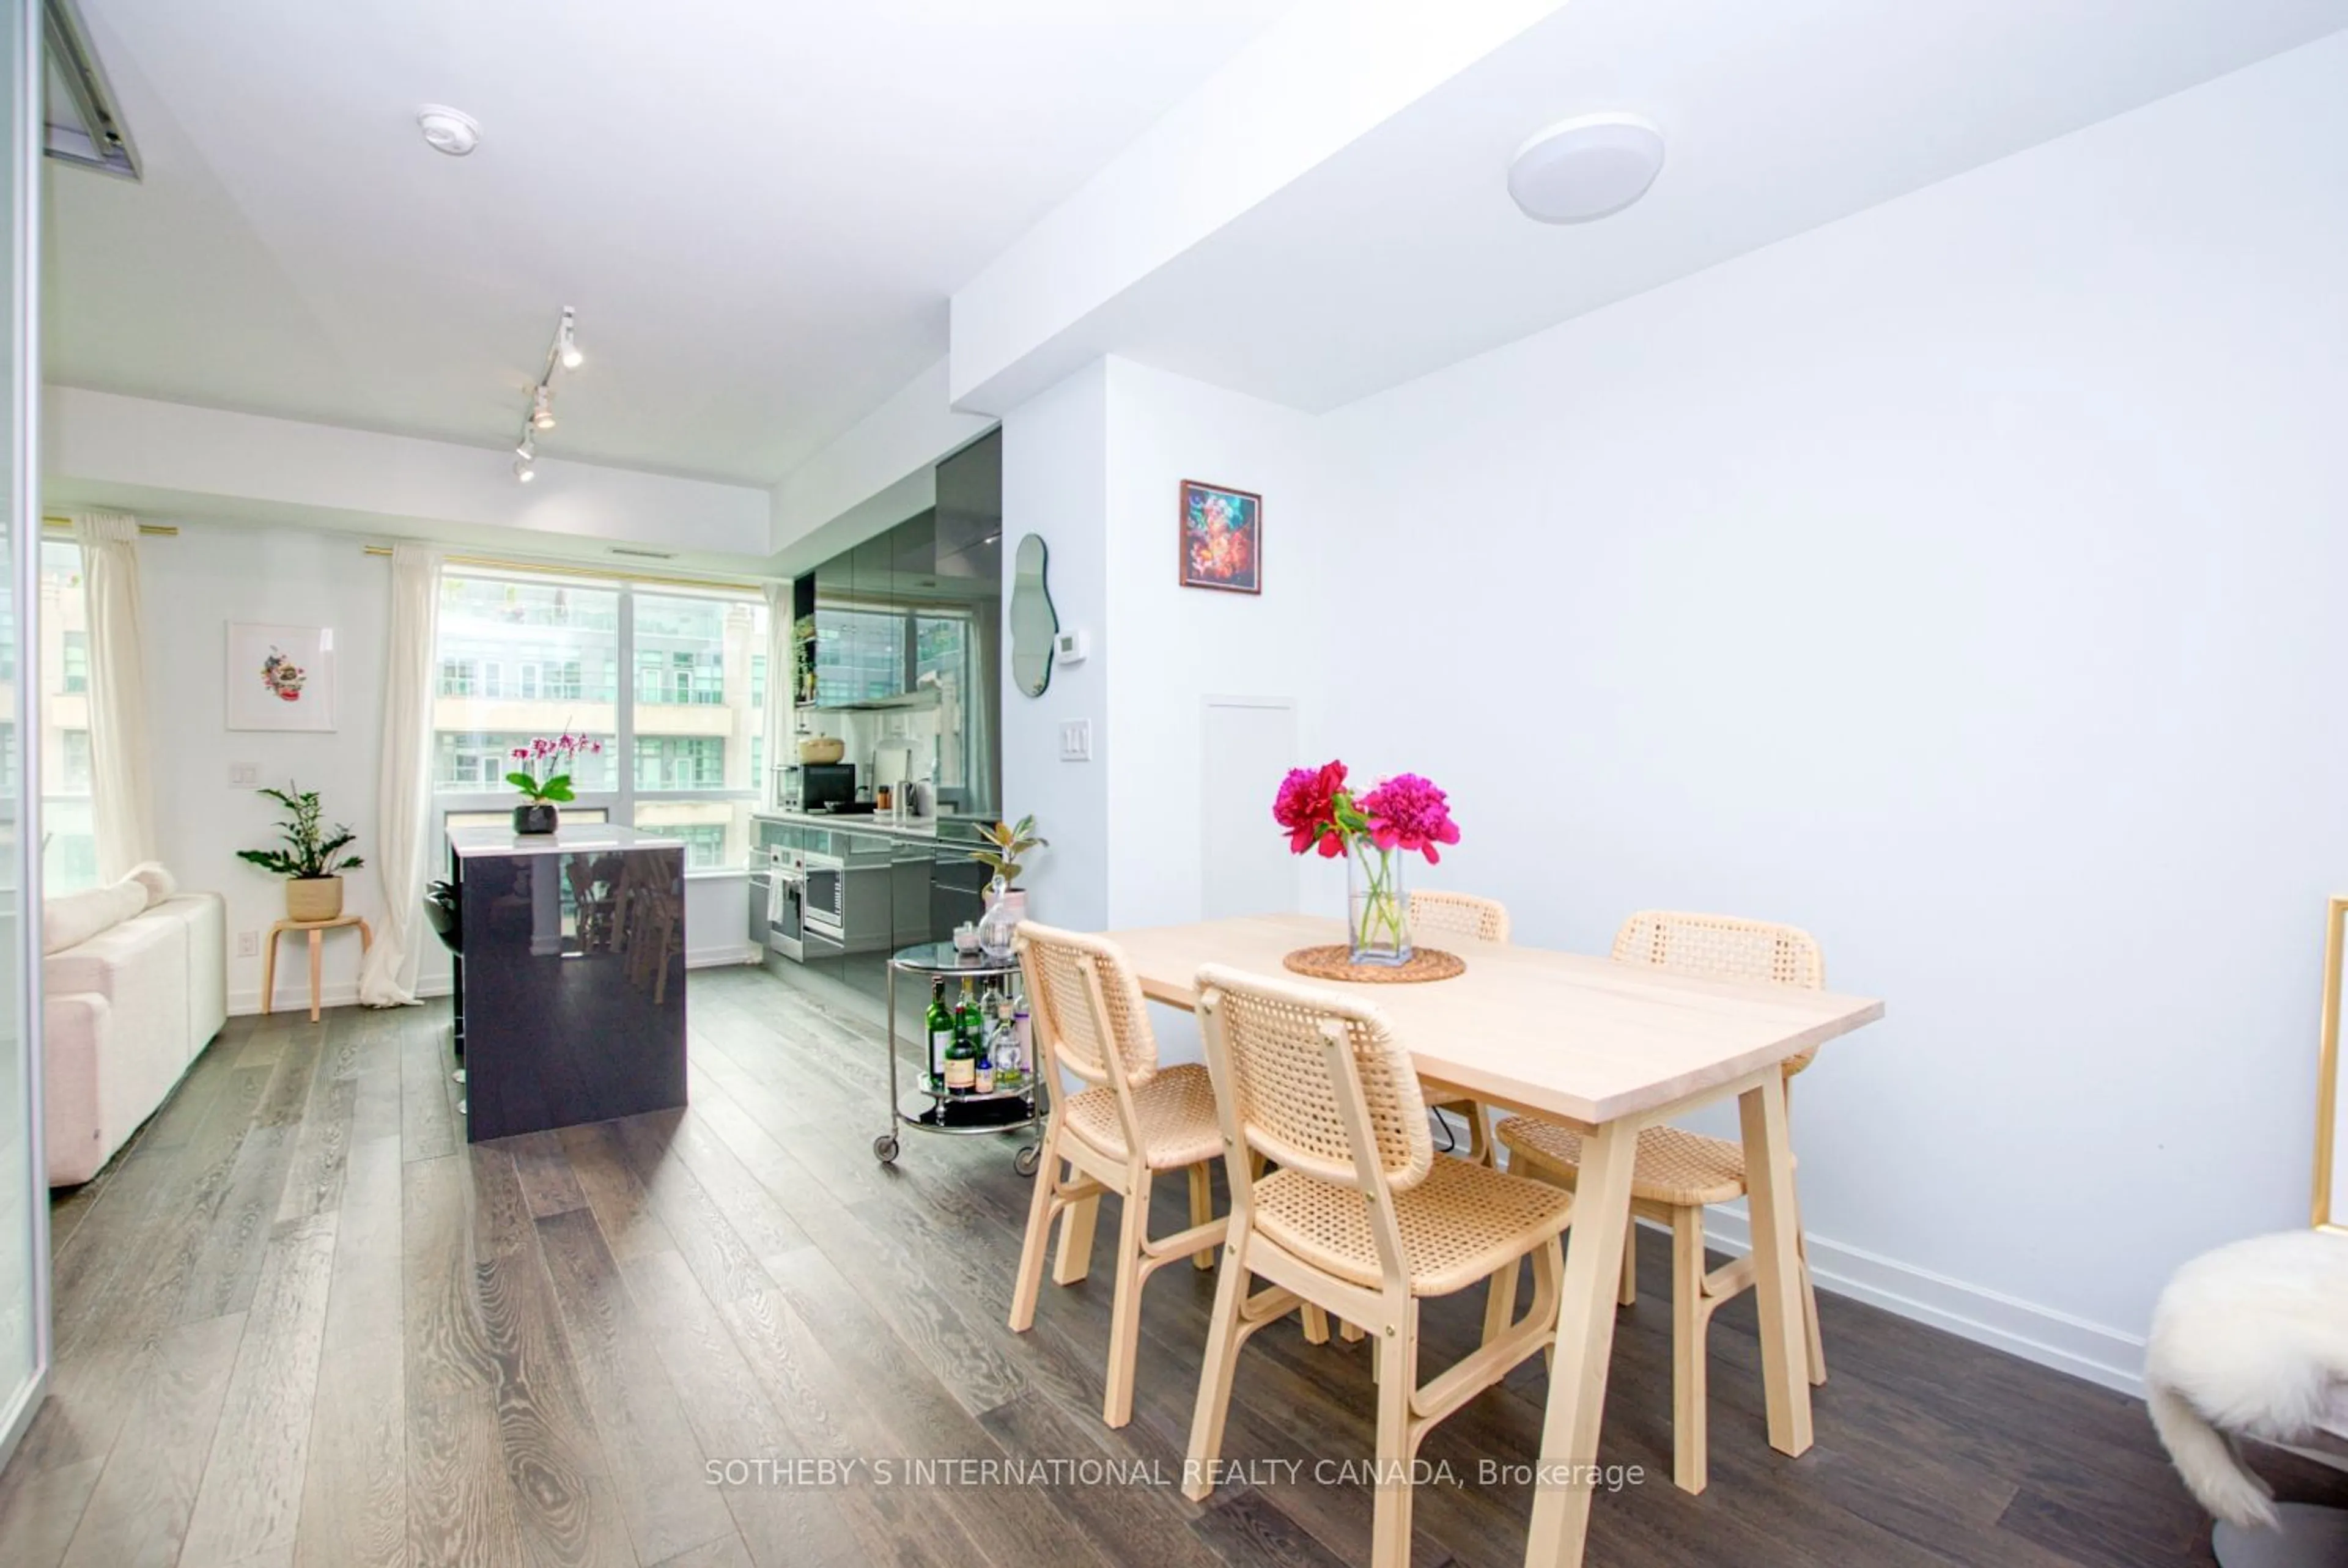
(1459, 913)
(1298, 1069)
(1086, 1006)
(1724, 947)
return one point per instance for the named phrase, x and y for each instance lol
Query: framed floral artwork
(281, 677)
(1222, 539)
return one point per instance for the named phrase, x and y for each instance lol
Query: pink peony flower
(1407, 812)
(1307, 807)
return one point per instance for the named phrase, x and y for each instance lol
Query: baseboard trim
(2038, 1334)
(2041, 1334)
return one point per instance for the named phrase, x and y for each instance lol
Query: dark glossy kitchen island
(570, 975)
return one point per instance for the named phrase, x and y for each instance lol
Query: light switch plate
(248, 944)
(244, 776)
(1076, 741)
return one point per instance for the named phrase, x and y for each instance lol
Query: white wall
(1958, 581)
(193, 587)
(1056, 484)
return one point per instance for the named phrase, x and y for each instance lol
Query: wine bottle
(940, 1027)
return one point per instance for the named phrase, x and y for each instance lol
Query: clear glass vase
(1377, 924)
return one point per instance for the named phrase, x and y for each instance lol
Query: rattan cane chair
(1679, 1171)
(1462, 914)
(1359, 1219)
(1133, 1121)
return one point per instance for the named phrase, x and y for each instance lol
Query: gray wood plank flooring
(302, 1322)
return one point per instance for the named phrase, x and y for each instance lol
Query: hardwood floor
(301, 1321)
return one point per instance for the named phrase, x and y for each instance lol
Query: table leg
(1585, 1343)
(269, 975)
(317, 947)
(1778, 1267)
(367, 937)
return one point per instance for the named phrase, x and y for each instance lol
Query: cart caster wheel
(884, 1148)
(1026, 1160)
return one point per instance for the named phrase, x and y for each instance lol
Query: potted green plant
(311, 862)
(537, 814)
(1007, 846)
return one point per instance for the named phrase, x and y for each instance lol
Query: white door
(1251, 741)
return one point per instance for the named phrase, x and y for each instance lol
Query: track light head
(526, 448)
(566, 343)
(541, 408)
(525, 469)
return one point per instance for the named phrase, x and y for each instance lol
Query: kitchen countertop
(584, 838)
(923, 828)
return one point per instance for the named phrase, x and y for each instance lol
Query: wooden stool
(317, 929)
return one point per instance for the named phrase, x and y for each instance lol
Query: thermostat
(1070, 648)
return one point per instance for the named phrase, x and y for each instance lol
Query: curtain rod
(599, 574)
(164, 530)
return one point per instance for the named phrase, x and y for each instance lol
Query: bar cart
(926, 1106)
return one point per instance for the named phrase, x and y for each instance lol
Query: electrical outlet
(244, 776)
(1076, 741)
(248, 944)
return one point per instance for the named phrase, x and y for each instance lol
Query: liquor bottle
(961, 1056)
(940, 1027)
(1002, 1041)
(983, 1072)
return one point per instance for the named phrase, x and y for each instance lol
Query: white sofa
(124, 1012)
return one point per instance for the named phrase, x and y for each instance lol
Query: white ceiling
(759, 207)
(1404, 253)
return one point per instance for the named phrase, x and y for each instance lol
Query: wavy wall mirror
(1034, 623)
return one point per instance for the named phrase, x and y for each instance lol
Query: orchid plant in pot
(544, 778)
(1370, 830)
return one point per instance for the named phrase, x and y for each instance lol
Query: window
(669, 680)
(61, 754)
(680, 761)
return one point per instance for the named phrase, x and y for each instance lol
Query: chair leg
(1351, 1333)
(1499, 1303)
(1074, 1259)
(1216, 1371)
(1397, 1370)
(1689, 1323)
(1202, 1209)
(1030, 1282)
(1125, 1307)
(1629, 1294)
(1316, 1324)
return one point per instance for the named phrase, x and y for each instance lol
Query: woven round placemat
(1332, 964)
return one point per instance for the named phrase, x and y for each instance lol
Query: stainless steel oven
(824, 889)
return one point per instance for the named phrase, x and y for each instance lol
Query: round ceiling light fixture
(1579, 170)
(452, 132)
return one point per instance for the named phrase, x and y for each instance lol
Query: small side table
(317, 929)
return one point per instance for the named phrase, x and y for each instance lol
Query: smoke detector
(452, 132)
(1583, 169)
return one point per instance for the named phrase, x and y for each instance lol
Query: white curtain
(782, 688)
(122, 802)
(403, 797)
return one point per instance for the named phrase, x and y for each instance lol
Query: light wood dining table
(1616, 1048)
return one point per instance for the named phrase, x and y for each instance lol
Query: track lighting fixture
(562, 353)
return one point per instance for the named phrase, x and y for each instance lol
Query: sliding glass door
(24, 1188)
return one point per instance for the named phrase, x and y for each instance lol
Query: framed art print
(281, 677)
(1222, 539)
